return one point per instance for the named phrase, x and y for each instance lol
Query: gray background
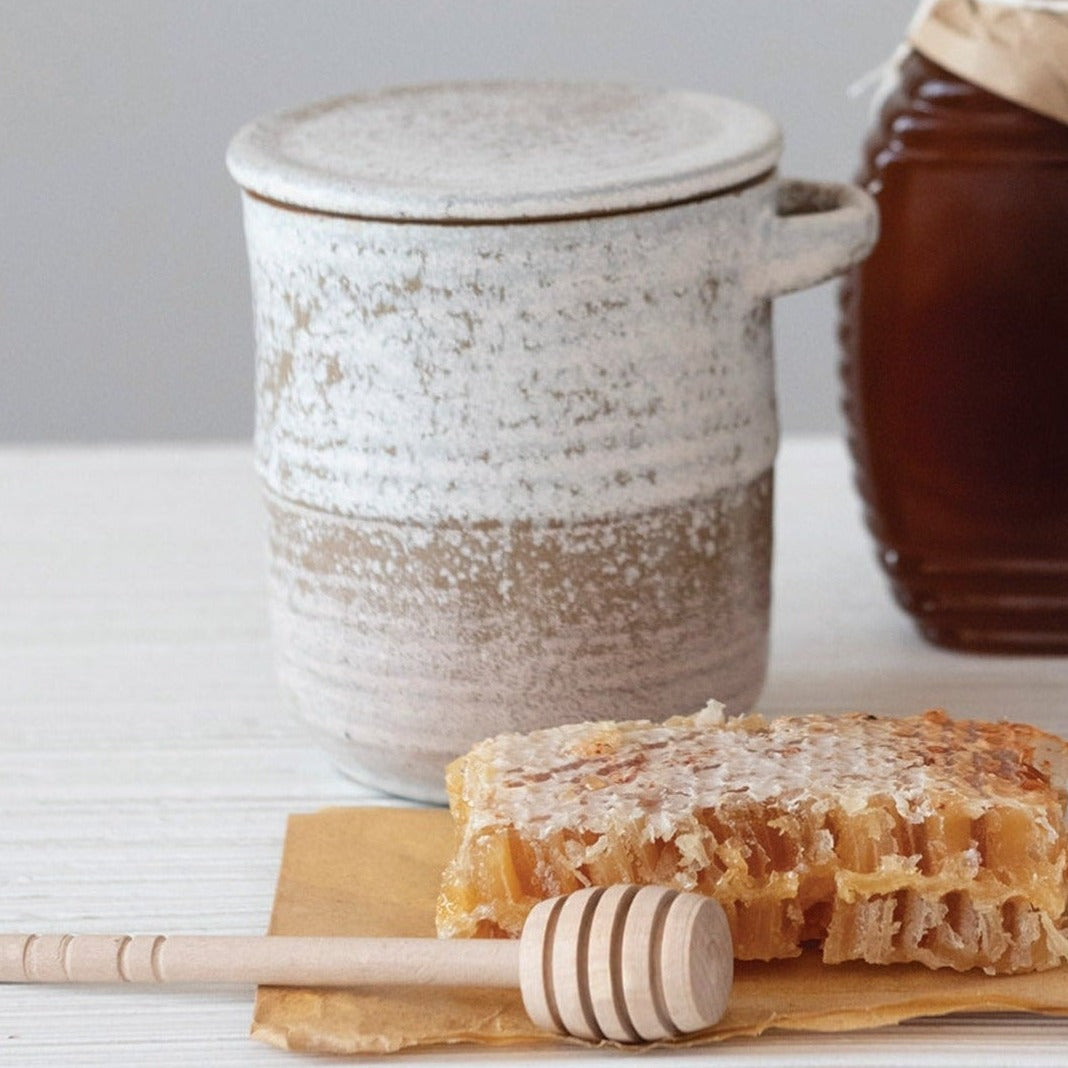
(124, 306)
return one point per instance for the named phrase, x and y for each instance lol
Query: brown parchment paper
(1016, 52)
(375, 872)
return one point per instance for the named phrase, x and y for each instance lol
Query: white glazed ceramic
(515, 405)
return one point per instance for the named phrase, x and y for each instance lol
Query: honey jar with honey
(955, 330)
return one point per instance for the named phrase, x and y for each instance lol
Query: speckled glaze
(520, 473)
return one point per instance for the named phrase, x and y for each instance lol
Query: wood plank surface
(146, 768)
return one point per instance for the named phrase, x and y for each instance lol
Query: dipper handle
(272, 960)
(626, 963)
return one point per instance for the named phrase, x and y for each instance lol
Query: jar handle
(816, 231)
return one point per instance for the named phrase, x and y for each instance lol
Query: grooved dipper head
(626, 963)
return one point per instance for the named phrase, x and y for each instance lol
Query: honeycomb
(886, 840)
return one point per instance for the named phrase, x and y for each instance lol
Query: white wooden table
(146, 770)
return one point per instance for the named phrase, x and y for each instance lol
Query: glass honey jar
(955, 361)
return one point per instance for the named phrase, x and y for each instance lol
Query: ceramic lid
(503, 150)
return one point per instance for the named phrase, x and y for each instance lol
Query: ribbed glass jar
(955, 367)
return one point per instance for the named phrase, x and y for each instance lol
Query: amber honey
(955, 339)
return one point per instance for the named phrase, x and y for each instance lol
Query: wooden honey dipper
(626, 963)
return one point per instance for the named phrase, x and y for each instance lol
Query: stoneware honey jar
(515, 405)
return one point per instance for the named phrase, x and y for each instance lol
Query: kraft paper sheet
(375, 872)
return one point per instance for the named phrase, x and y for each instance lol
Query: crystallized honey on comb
(918, 839)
